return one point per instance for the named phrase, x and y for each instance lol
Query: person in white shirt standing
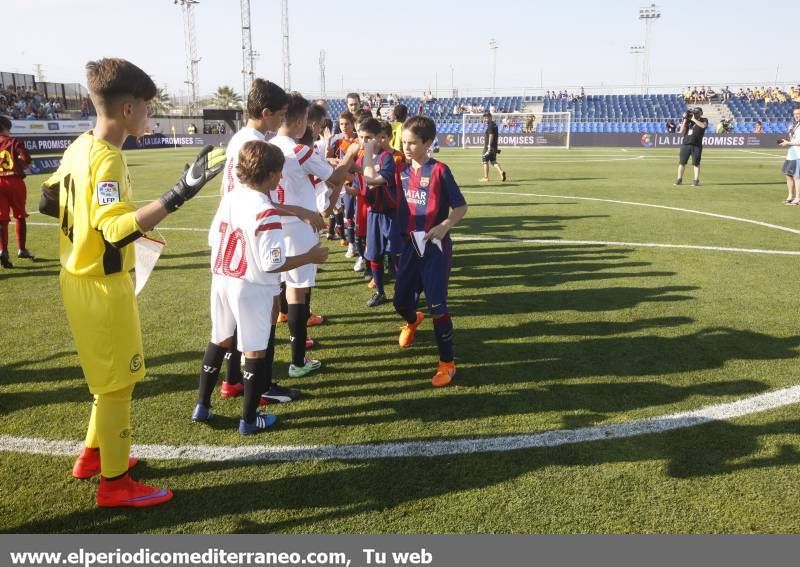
(266, 106)
(247, 252)
(791, 167)
(302, 167)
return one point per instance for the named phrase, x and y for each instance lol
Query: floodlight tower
(648, 15)
(248, 55)
(322, 73)
(190, 45)
(493, 49)
(287, 73)
(636, 51)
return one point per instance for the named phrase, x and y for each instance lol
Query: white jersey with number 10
(246, 238)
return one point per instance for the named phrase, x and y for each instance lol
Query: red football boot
(127, 492)
(87, 464)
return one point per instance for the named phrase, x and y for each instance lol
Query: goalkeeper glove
(208, 163)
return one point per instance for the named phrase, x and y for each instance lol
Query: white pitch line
(426, 448)
(553, 242)
(637, 204)
(630, 244)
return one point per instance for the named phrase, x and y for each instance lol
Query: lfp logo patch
(275, 256)
(107, 193)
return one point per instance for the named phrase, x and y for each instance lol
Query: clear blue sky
(412, 42)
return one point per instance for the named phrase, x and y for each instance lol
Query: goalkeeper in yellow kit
(91, 196)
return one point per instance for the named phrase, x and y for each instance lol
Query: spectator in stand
(759, 128)
(353, 102)
(671, 126)
(84, 107)
(791, 167)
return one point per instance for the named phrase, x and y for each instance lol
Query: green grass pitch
(549, 335)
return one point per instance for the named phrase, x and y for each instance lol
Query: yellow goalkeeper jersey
(96, 211)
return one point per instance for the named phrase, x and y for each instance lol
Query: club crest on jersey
(107, 193)
(274, 255)
(424, 181)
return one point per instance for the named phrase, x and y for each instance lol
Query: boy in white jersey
(296, 188)
(266, 107)
(247, 252)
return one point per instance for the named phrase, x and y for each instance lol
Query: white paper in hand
(323, 195)
(147, 252)
(418, 242)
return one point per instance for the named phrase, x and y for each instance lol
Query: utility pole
(39, 70)
(493, 49)
(648, 15)
(322, 93)
(287, 66)
(636, 51)
(248, 55)
(190, 47)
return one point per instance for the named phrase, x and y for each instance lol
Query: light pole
(636, 51)
(493, 49)
(648, 15)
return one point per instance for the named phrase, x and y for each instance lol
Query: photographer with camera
(490, 150)
(791, 167)
(693, 127)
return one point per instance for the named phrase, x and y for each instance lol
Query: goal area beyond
(519, 129)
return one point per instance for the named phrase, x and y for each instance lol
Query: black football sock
(212, 360)
(233, 364)
(284, 305)
(308, 302)
(407, 313)
(443, 328)
(298, 320)
(254, 385)
(3, 236)
(270, 358)
(340, 222)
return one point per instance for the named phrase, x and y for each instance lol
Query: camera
(693, 113)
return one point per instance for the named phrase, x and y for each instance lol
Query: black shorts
(489, 157)
(695, 151)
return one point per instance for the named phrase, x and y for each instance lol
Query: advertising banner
(33, 127)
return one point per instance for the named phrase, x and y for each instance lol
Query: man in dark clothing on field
(490, 150)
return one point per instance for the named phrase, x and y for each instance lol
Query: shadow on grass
(335, 493)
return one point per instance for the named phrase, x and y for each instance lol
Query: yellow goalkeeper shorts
(104, 318)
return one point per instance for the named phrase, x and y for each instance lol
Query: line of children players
(387, 204)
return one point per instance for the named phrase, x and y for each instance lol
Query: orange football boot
(444, 374)
(408, 331)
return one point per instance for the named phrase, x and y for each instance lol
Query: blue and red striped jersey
(429, 192)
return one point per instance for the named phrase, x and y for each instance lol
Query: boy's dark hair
(400, 112)
(307, 139)
(264, 95)
(327, 123)
(316, 113)
(257, 161)
(386, 127)
(360, 115)
(353, 95)
(371, 126)
(347, 115)
(5, 123)
(422, 127)
(297, 107)
(112, 78)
